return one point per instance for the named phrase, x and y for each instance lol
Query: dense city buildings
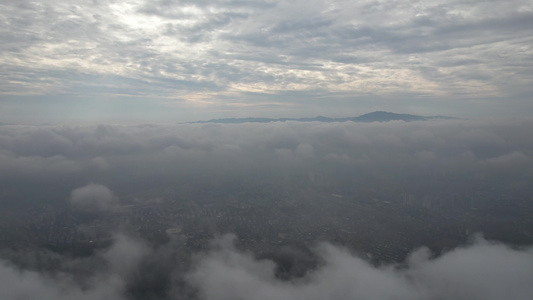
(382, 224)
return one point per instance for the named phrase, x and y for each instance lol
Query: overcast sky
(130, 61)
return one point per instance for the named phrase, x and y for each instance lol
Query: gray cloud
(480, 271)
(428, 157)
(106, 275)
(91, 150)
(433, 157)
(214, 53)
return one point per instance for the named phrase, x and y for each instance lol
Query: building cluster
(377, 225)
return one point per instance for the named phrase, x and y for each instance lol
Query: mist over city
(266, 149)
(435, 209)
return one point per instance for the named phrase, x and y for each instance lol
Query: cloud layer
(436, 152)
(479, 271)
(102, 276)
(265, 56)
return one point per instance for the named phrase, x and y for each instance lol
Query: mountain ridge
(376, 116)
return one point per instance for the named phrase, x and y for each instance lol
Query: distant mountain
(383, 116)
(377, 116)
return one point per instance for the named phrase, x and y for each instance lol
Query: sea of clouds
(91, 166)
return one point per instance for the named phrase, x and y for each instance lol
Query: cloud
(221, 53)
(95, 198)
(102, 276)
(118, 156)
(479, 271)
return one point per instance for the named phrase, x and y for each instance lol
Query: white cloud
(479, 271)
(94, 197)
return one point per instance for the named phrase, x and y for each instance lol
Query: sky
(104, 61)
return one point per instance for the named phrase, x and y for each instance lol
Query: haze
(380, 210)
(265, 149)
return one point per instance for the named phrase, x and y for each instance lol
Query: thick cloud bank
(480, 271)
(31, 151)
(443, 155)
